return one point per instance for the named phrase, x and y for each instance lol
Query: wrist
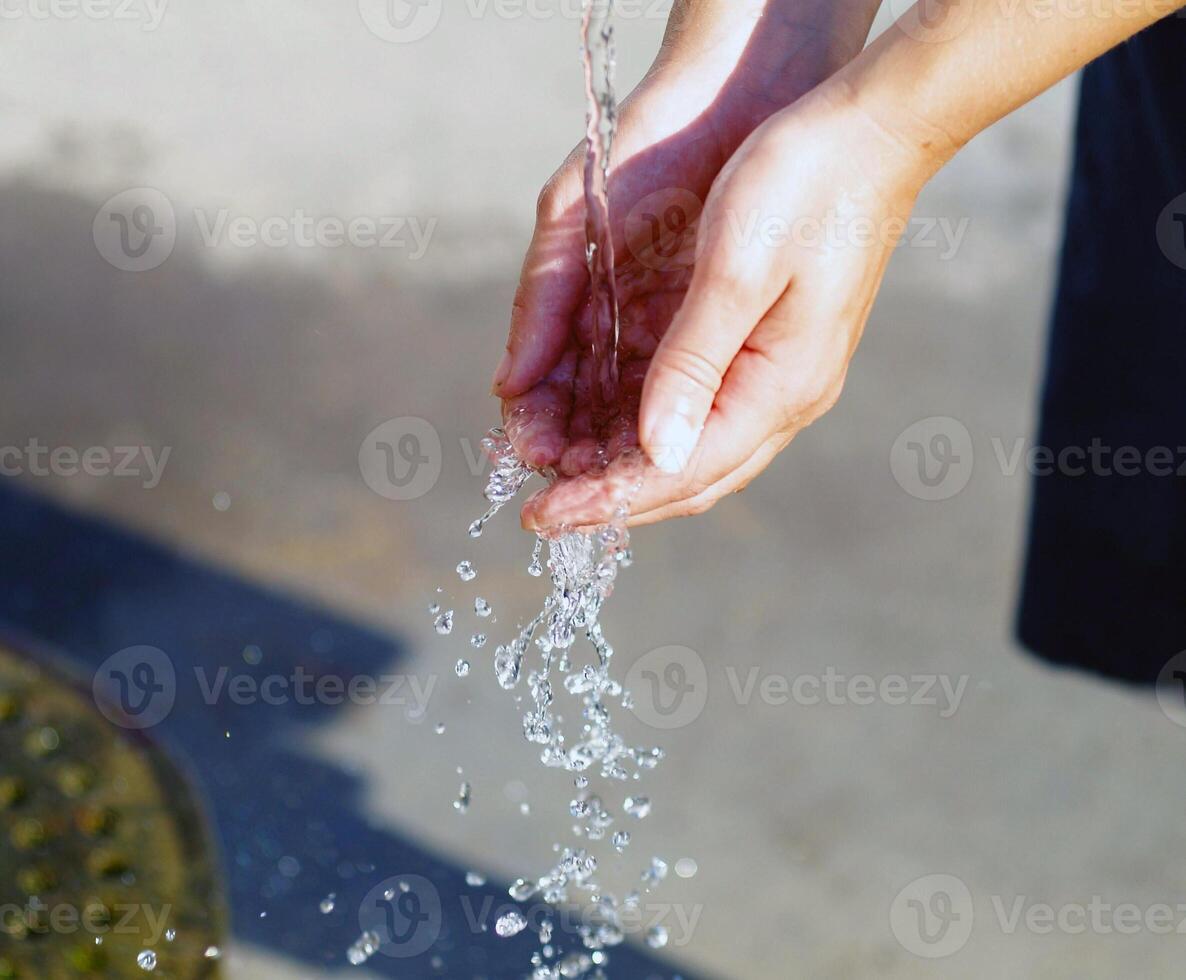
(877, 101)
(759, 56)
(832, 126)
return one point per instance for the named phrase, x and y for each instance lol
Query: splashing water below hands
(584, 565)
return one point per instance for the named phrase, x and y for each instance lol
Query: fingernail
(502, 372)
(672, 443)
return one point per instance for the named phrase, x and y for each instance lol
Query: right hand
(721, 72)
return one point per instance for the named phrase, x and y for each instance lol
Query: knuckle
(691, 368)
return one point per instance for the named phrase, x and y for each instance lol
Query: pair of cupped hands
(754, 208)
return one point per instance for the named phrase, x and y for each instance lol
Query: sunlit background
(260, 546)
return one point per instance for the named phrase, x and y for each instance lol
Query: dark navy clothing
(1105, 577)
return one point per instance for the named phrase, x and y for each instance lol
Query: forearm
(949, 69)
(768, 51)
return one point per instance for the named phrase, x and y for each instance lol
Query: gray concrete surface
(263, 369)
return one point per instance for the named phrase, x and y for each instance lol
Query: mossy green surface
(103, 851)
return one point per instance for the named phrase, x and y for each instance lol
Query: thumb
(732, 288)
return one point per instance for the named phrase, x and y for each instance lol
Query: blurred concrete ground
(264, 369)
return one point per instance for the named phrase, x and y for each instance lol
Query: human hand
(722, 71)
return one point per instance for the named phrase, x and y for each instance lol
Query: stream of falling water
(597, 56)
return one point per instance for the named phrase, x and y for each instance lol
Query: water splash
(548, 654)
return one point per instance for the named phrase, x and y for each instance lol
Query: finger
(552, 287)
(735, 482)
(537, 422)
(733, 286)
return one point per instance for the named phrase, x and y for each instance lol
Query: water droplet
(212, 953)
(637, 806)
(522, 889)
(146, 960)
(620, 840)
(655, 873)
(482, 608)
(466, 571)
(439, 728)
(474, 879)
(461, 804)
(478, 640)
(327, 904)
(510, 924)
(657, 937)
(444, 623)
(170, 935)
(461, 668)
(686, 867)
(364, 947)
